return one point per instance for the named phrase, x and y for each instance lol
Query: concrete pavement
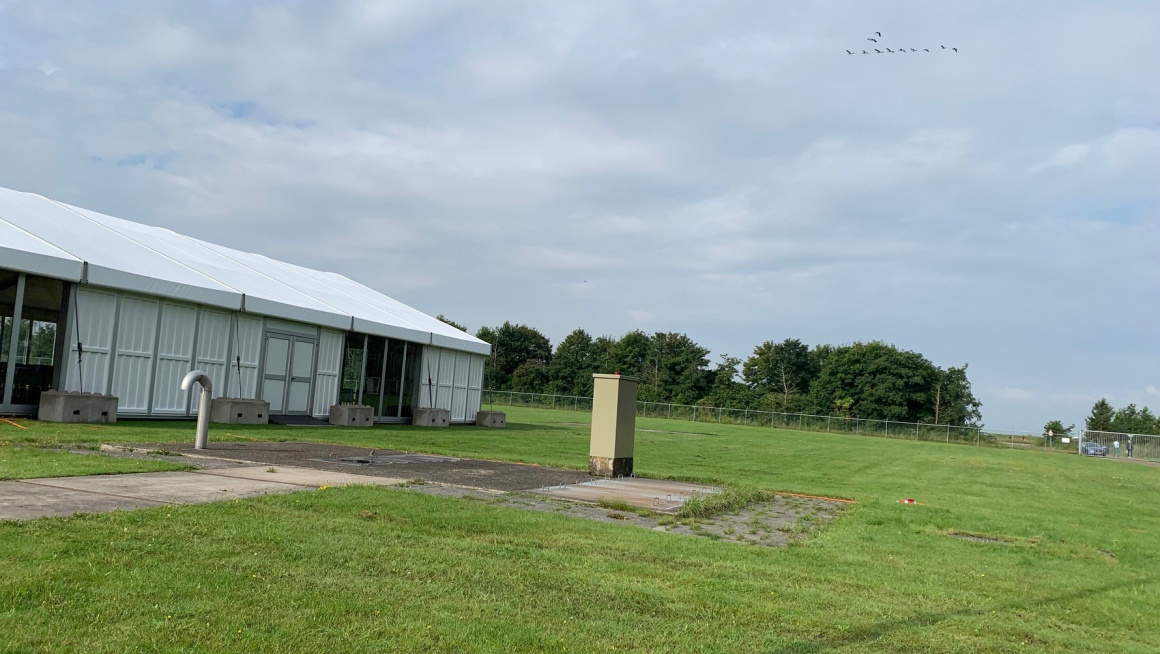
(56, 496)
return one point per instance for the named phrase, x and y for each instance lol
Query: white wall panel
(427, 374)
(445, 382)
(459, 388)
(96, 312)
(248, 346)
(133, 365)
(174, 357)
(329, 367)
(474, 385)
(212, 348)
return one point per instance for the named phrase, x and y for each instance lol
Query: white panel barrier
(474, 385)
(445, 382)
(329, 367)
(97, 311)
(133, 364)
(429, 369)
(248, 346)
(174, 358)
(213, 344)
(459, 388)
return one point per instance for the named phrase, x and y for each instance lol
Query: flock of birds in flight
(902, 50)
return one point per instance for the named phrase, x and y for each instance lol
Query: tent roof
(50, 238)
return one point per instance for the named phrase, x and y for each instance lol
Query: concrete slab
(24, 500)
(306, 477)
(660, 495)
(37, 498)
(168, 487)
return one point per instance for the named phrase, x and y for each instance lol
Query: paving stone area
(492, 475)
(237, 470)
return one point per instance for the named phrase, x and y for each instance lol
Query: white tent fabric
(44, 237)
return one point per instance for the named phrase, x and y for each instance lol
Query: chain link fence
(807, 422)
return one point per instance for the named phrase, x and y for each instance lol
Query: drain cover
(389, 459)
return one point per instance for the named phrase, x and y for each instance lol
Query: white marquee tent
(151, 304)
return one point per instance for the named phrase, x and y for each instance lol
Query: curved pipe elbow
(200, 377)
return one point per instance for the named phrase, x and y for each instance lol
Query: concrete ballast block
(492, 419)
(431, 418)
(60, 406)
(352, 415)
(239, 411)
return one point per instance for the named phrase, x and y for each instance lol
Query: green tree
(1101, 416)
(952, 400)
(883, 381)
(1130, 420)
(447, 321)
(725, 390)
(785, 368)
(572, 365)
(511, 347)
(530, 377)
(1056, 428)
(632, 355)
(679, 368)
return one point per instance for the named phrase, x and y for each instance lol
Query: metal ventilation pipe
(203, 406)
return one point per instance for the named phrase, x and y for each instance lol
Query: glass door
(289, 373)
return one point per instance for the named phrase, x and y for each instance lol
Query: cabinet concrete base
(352, 415)
(603, 466)
(58, 406)
(431, 418)
(492, 419)
(238, 411)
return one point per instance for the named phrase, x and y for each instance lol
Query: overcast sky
(722, 169)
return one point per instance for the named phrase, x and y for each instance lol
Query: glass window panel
(273, 391)
(393, 379)
(299, 401)
(411, 379)
(352, 368)
(277, 350)
(373, 380)
(35, 355)
(7, 310)
(303, 360)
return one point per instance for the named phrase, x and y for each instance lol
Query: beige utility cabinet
(613, 425)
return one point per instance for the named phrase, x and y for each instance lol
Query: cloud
(1012, 394)
(728, 167)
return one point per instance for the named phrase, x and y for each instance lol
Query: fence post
(887, 429)
(916, 426)
(827, 424)
(694, 413)
(799, 422)
(948, 432)
(670, 410)
(718, 414)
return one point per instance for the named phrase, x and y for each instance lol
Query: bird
(848, 52)
(874, 40)
(955, 49)
(879, 34)
(912, 50)
(943, 47)
(889, 50)
(877, 50)
(864, 52)
(926, 49)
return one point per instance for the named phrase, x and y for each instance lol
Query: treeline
(863, 380)
(1128, 420)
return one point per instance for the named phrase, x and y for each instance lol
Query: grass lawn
(1076, 569)
(30, 462)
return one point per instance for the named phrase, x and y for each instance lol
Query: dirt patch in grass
(775, 521)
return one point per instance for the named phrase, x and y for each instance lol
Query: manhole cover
(388, 459)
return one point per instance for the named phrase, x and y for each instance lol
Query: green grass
(1076, 568)
(31, 462)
